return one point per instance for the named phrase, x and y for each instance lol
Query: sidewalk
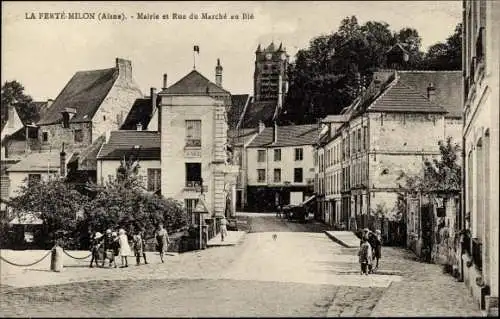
(344, 238)
(233, 238)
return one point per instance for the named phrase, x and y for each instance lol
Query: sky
(43, 54)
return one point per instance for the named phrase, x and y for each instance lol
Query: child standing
(96, 244)
(139, 247)
(125, 250)
(162, 241)
(365, 256)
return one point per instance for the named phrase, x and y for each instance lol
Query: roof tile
(287, 136)
(123, 143)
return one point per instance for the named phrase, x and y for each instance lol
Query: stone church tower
(270, 76)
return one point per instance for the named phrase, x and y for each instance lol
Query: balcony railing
(477, 257)
(195, 186)
(193, 142)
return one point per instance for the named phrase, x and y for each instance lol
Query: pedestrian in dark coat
(377, 247)
(96, 245)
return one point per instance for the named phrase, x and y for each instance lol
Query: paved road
(301, 273)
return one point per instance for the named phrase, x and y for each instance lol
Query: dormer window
(67, 115)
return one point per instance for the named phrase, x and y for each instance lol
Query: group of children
(370, 248)
(113, 244)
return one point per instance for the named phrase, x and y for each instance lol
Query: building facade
(280, 166)
(91, 104)
(481, 64)
(387, 132)
(193, 138)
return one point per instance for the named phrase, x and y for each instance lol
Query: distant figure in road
(223, 228)
(96, 245)
(125, 250)
(162, 241)
(278, 211)
(139, 247)
(365, 256)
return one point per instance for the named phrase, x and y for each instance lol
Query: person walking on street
(365, 256)
(162, 241)
(143, 238)
(125, 250)
(377, 247)
(223, 228)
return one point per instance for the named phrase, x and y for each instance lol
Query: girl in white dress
(124, 247)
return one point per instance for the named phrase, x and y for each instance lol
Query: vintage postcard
(249, 158)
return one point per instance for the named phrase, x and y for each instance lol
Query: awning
(308, 200)
(26, 219)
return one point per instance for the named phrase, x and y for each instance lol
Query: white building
(280, 166)
(481, 61)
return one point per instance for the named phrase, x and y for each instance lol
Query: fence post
(56, 261)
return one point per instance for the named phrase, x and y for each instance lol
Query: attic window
(86, 116)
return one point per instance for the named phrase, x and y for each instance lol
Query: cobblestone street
(301, 273)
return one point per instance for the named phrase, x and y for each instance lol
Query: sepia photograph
(249, 158)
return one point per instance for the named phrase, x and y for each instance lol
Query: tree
(124, 203)
(447, 55)
(54, 202)
(13, 94)
(440, 175)
(323, 77)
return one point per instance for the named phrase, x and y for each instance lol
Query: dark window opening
(45, 136)
(78, 136)
(297, 175)
(193, 174)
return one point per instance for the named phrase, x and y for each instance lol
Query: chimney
(139, 126)
(153, 99)
(62, 162)
(431, 92)
(275, 132)
(108, 135)
(262, 126)
(164, 81)
(218, 73)
(124, 68)
(280, 92)
(49, 102)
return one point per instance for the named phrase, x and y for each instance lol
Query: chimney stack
(153, 99)
(262, 126)
(124, 68)
(431, 92)
(164, 81)
(49, 102)
(275, 132)
(62, 162)
(218, 73)
(139, 126)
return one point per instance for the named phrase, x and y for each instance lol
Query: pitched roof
(84, 92)
(238, 103)
(87, 158)
(290, 135)
(258, 111)
(446, 83)
(142, 145)
(194, 84)
(141, 112)
(241, 136)
(39, 162)
(400, 97)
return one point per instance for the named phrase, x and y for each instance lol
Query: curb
(338, 241)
